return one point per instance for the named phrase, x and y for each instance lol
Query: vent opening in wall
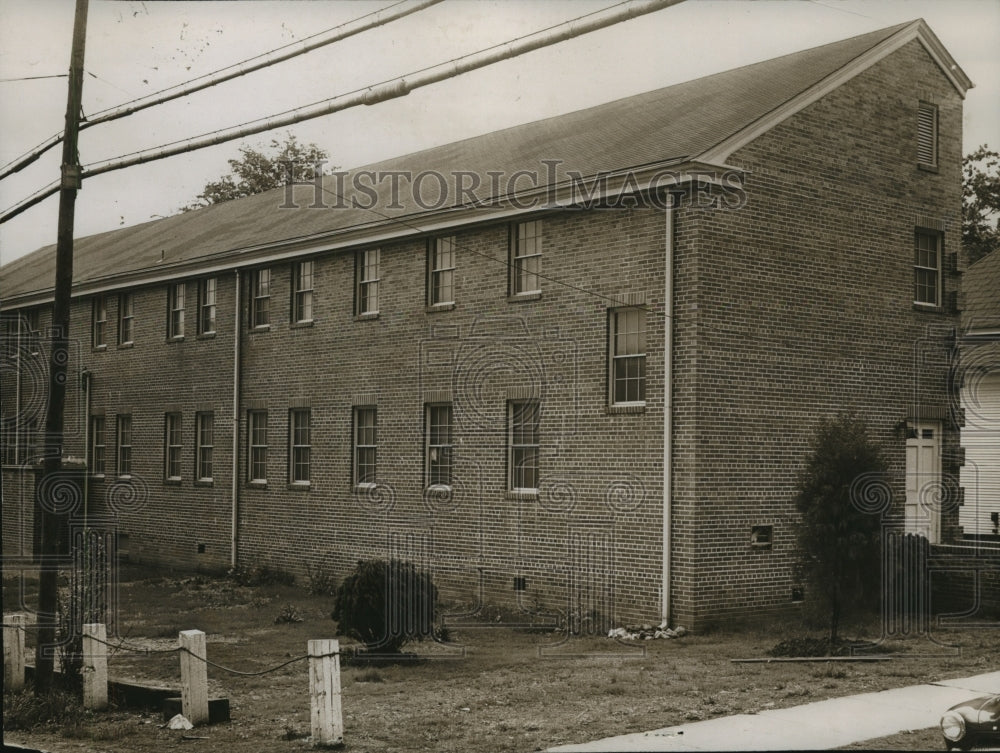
(760, 536)
(520, 583)
(797, 594)
(201, 548)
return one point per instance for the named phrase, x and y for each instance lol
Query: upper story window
(260, 298)
(927, 268)
(173, 446)
(125, 445)
(526, 257)
(175, 310)
(522, 445)
(300, 451)
(627, 378)
(439, 445)
(257, 446)
(99, 319)
(365, 445)
(927, 134)
(33, 331)
(302, 292)
(441, 271)
(206, 306)
(126, 318)
(367, 274)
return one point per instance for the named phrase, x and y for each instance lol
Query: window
(927, 134)
(125, 445)
(365, 445)
(98, 444)
(927, 269)
(205, 423)
(302, 292)
(526, 257)
(628, 356)
(100, 322)
(172, 439)
(522, 445)
(366, 293)
(260, 302)
(33, 331)
(300, 455)
(126, 318)
(441, 271)
(257, 440)
(175, 310)
(206, 306)
(438, 450)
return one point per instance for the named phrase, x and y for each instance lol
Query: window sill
(205, 336)
(176, 339)
(620, 408)
(257, 484)
(260, 328)
(172, 481)
(928, 308)
(927, 168)
(122, 346)
(533, 295)
(99, 348)
(527, 495)
(204, 482)
(299, 486)
(366, 317)
(97, 477)
(440, 307)
(302, 324)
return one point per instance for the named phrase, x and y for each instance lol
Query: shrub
(288, 615)
(321, 581)
(260, 575)
(385, 604)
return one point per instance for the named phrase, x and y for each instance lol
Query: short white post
(324, 691)
(13, 651)
(95, 666)
(194, 676)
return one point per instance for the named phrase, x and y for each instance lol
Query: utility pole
(48, 599)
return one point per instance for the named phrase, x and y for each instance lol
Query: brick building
(573, 366)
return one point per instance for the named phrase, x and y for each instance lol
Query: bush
(321, 582)
(386, 604)
(260, 575)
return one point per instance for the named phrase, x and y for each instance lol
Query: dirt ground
(490, 688)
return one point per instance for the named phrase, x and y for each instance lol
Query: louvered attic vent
(927, 134)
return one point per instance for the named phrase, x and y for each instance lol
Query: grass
(498, 688)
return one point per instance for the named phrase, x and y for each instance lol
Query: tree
(257, 171)
(840, 535)
(981, 203)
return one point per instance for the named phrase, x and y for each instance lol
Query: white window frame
(366, 295)
(438, 471)
(173, 450)
(303, 275)
(175, 311)
(98, 445)
(623, 351)
(204, 427)
(364, 443)
(257, 446)
(126, 318)
(123, 441)
(300, 446)
(441, 253)
(260, 301)
(922, 270)
(526, 252)
(518, 449)
(207, 291)
(99, 322)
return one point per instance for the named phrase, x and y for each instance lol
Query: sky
(136, 48)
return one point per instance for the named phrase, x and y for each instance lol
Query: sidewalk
(812, 726)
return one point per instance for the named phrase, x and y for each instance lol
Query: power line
(389, 89)
(32, 78)
(277, 55)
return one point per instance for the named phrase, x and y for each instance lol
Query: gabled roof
(682, 125)
(981, 283)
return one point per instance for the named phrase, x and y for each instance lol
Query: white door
(923, 479)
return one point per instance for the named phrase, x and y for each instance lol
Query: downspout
(668, 386)
(236, 425)
(18, 418)
(85, 377)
